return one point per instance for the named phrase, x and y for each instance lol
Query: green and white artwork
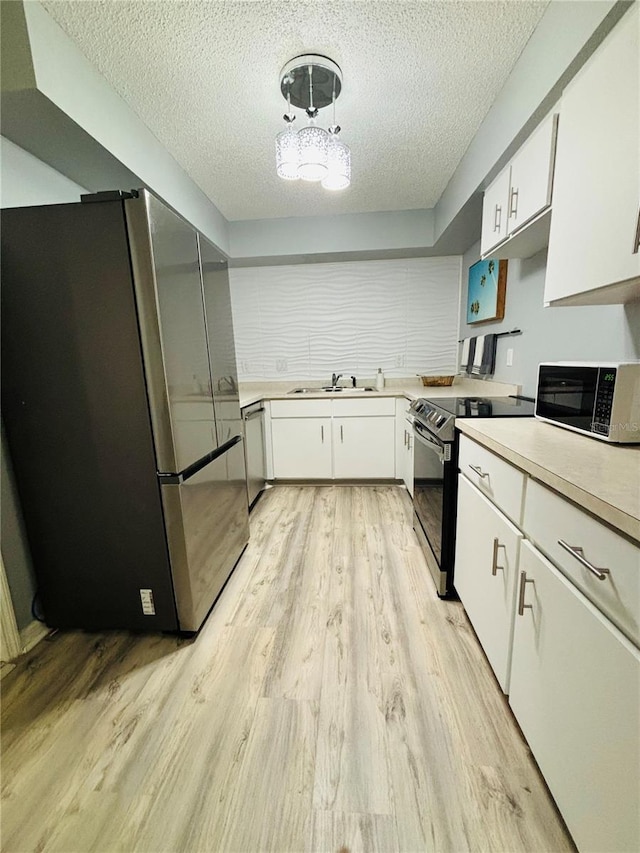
(486, 294)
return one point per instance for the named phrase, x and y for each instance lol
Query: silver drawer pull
(524, 580)
(494, 562)
(322, 433)
(479, 471)
(577, 552)
(513, 204)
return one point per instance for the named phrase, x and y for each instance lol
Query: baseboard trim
(31, 635)
(374, 481)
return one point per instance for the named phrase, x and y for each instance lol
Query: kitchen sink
(330, 389)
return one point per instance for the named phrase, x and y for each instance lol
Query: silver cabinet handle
(524, 580)
(577, 552)
(252, 414)
(406, 435)
(479, 471)
(409, 442)
(497, 217)
(636, 242)
(494, 562)
(322, 433)
(341, 434)
(513, 208)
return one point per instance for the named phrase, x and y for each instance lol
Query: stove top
(438, 415)
(485, 407)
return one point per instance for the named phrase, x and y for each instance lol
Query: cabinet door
(363, 448)
(404, 446)
(532, 175)
(485, 574)
(594, 223)
(575, 684)
(408, 461)
(301, 448)
(494, 212)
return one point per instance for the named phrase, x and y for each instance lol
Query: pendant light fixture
(288, 148)
(338, 175)
(312, 82)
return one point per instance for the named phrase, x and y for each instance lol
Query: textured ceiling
(419, 77)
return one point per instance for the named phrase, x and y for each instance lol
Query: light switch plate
(510, 357)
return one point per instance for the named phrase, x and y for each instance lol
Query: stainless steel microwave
(598, 399)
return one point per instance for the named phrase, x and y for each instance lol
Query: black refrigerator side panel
(77, 418)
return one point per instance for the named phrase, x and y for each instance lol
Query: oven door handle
(429, 442)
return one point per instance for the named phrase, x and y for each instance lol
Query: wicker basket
(437, 380)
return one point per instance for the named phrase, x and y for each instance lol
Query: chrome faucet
(334, 379)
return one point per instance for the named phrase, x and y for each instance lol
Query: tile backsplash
(308, 321)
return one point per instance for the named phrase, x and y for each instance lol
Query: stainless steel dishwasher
(252, 417)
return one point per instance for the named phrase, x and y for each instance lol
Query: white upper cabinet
(532, 175)
(495, 212)
(593, 244)
(515, 212)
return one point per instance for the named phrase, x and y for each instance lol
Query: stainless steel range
(435, 472)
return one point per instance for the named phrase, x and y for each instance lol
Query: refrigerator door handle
(183, 476)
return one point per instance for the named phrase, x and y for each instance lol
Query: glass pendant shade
(314, 149)
(338, 175)
(287, 154)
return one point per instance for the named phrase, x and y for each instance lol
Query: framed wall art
(487, 290)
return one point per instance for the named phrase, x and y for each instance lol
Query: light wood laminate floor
(331, 702)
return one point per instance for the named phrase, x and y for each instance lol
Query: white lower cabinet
(575, 691)
(301, 448)
(363, 448)
(572, 676)
(321, 439)
(404, 445)
(486, 566)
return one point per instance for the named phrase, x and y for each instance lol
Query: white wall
(84, 124)
(583, 333)
(309, 321)
(400, 230)
(26, 181)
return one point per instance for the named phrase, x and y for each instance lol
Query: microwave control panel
(604, 400)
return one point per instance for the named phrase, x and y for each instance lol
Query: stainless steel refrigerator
(120, 403)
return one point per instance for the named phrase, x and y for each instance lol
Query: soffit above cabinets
(419, 77)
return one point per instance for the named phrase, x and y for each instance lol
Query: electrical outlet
(510, 357)
(400, 361)
(281, 365)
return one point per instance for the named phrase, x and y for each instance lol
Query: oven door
(431, 471)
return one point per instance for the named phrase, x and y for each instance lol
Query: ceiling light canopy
(312, 82)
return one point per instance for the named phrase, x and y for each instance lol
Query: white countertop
(252, 392)
(602, 478)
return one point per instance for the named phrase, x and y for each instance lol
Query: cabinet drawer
(574, 691)
(499, 481)
(301, 408)
(356, 408)
(548, 518)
